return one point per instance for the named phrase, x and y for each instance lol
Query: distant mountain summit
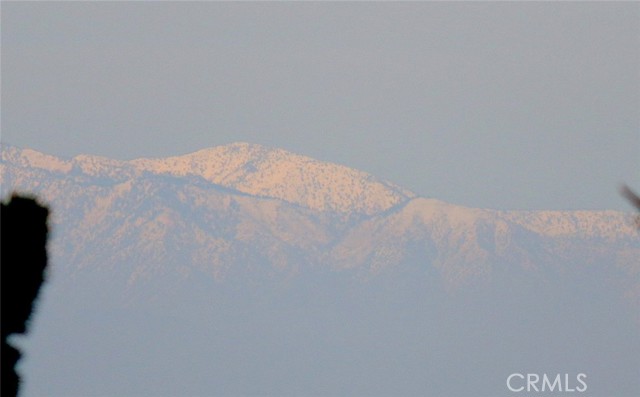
(248, 168)
(265, 172)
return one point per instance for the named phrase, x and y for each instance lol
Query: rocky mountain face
(304, 247)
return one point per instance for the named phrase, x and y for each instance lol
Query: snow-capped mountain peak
(262, 171)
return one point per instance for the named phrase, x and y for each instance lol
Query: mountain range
(243, 228)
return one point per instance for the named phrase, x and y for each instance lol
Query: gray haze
(497, 105)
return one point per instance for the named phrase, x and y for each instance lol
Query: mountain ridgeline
(242, 269)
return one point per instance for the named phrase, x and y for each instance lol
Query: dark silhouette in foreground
(633, 199)
(631, 196)
(24, 259)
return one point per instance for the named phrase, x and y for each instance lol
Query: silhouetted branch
(633, 198)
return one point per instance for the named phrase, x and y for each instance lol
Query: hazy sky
(499, 105)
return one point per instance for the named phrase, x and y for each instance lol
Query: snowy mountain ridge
(243, 203)
(301, 180)
(248, 168)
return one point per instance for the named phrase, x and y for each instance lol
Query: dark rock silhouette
(24, 259)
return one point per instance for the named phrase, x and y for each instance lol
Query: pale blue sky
(499, 105)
